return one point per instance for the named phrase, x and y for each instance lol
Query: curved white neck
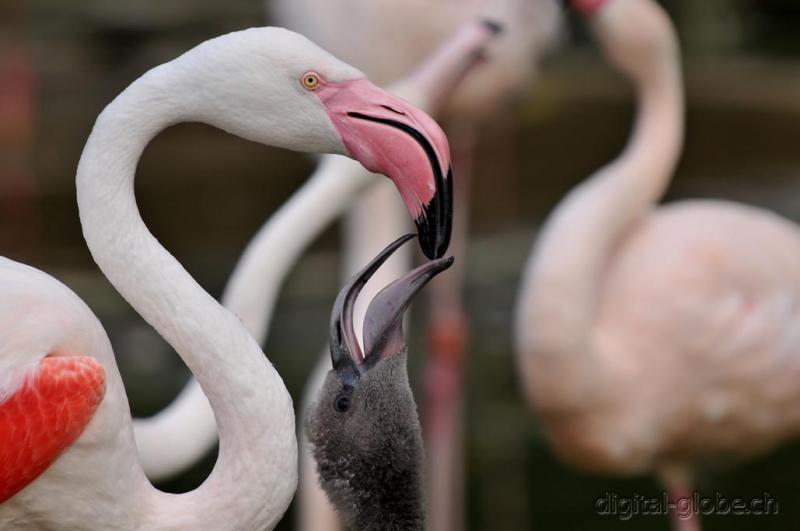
(251, 294)
(564, 277)
(256, 474)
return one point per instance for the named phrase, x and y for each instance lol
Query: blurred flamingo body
(387, 38)
(68, 454)
(649, 337)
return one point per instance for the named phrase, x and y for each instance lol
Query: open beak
(390, 136)
(383, 323)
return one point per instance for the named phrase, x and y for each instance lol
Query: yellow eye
(311, 81)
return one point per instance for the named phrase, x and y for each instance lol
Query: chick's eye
(310, 81)
(341, 404)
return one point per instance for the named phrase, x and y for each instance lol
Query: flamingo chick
(364, 427)
(67, 451)
(651, 337)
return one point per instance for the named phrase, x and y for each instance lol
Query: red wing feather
(45, 416)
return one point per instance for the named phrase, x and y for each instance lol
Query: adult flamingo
(67, 452)
(650, 337)
(183, 432)
(386, 39)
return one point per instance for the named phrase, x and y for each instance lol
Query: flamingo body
(63, 396)
(695, 316)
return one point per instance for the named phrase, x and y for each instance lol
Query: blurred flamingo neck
(252, 407)
(431, 84)
(579, 239)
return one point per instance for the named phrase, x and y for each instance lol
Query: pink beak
(390, 136)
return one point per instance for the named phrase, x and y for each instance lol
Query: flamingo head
(364, 426)
(637, 36)
(278, 88)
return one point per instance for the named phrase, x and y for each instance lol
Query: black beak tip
(493, 25)
(435, 223)
(432, 240)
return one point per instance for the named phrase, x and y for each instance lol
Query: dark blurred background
(204, 193)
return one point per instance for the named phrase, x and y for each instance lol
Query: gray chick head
(364, 426)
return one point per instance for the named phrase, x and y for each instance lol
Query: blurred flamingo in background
(649, 338)
(185, 431)
(386, 39)
(67, 452)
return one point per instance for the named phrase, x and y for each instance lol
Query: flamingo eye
(310, 81)
(341, 404)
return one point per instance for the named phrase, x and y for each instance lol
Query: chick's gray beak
(346, 354)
